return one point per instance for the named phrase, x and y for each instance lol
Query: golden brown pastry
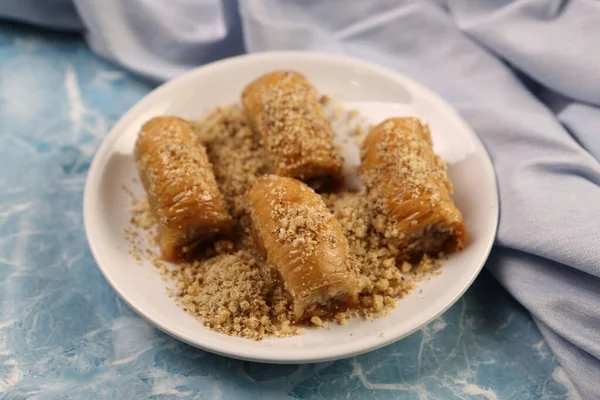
(408, 186)
(283, 108)
(305, 242)
(182, 191)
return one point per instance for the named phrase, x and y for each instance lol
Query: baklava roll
(304, 241)
(283, 108)
(181, 188)
(409, 189)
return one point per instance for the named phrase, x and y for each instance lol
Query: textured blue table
(64, 333)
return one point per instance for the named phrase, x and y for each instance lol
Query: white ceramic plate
(378, 93)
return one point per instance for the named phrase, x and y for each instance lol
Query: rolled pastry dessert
(283, 108)
(409, 188)
(181, 187)
(304, 241)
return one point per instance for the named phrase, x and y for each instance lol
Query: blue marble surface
(64, 333)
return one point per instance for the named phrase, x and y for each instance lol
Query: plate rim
(95, 171)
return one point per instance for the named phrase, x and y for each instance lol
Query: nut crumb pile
(228, 287)
(236, 153)
(232, 295)
(382, 278)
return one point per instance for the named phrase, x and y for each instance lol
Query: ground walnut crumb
(230, 288)
(384, 279)
(141, 219)
(230, 294)
(141, 215)
(235, 152)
